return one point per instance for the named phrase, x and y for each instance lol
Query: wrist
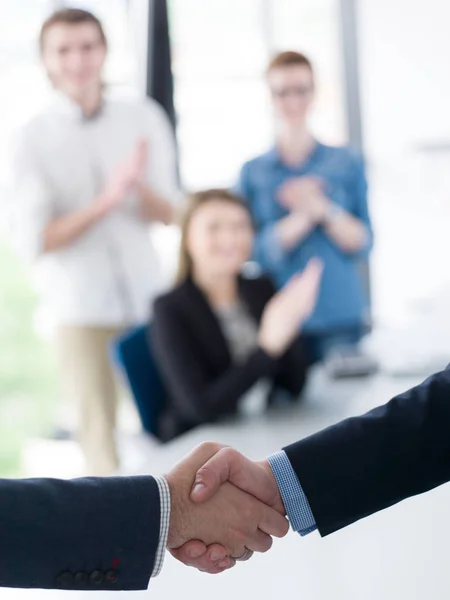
(104, 204)
(179, 497)
(332, 211)
(269, 348)
(101, 206)
(279, 505)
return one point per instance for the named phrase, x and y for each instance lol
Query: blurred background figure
(310, 199)
(91, 173)
(224, 341)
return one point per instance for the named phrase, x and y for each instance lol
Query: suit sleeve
(368, 463)
(84, 534)
(196, 396)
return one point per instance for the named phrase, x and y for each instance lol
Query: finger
(273, 523)
(306, 281)
(229, 465)
(213, 473)
(218, 570)
(224, 565)
(212, 560)
(191, 553)
(259, 542)
(312, 271)
(314, 267)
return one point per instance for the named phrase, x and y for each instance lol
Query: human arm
(361, 465)
(274, 240)
(351, 230)
(38, 226)
(196, 395)
(105, 533)
(94, 534)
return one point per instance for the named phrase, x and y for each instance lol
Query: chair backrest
(132, 353)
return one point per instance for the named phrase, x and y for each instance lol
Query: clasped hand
(223, 507)
(306, 195)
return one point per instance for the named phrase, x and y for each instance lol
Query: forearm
(293, 229)
(347, 232)
(85, 534)
(154, 207)
(368, 463)
(63, 231)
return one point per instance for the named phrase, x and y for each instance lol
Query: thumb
(213, 473)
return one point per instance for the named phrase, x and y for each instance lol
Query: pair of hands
(223, 506)
(305, 195)
(127, 176)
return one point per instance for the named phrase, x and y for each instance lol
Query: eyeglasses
(300, 91)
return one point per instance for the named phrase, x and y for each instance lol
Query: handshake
(224, 507)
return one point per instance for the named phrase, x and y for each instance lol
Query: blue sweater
(342, 301)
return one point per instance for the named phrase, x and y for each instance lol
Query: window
(220, 51)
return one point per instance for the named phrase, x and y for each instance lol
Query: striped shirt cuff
(294, 499)
(164, 497)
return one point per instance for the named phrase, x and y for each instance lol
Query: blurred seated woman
(221, 338)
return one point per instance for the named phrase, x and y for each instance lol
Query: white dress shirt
(110, 274)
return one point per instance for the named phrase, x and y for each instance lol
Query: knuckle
(209, 447)
(229, 454)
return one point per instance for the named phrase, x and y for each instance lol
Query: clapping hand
(289, 309)
(305, 195)
(127, 175)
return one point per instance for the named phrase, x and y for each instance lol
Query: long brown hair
(195, 201)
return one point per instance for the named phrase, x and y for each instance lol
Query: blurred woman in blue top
(309, 199)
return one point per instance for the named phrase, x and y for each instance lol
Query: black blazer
(85, 534)
(365, 464)
(195, 361)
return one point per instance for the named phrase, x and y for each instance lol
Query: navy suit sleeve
(85, 534)
(367, 463)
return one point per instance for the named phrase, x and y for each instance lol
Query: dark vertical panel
(159, 65)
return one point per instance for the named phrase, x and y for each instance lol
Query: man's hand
(228, 465)
(212, 559)
(229, 517)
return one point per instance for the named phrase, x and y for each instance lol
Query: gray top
(241, 332)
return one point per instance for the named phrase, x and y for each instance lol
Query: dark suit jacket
(365, 464)
(85, 534)
(195, 361)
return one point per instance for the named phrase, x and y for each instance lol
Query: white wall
(405, 77)
(405, 59)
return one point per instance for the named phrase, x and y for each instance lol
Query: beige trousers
(89, 383)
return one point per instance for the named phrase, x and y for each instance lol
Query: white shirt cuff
(164, 497)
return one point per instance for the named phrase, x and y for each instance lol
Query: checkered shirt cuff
(294, 499)
(164, 497)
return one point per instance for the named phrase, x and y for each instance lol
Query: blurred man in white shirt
(91, 173)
